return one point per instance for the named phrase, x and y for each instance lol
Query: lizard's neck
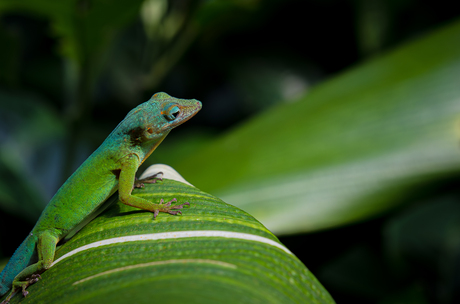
(148, 149)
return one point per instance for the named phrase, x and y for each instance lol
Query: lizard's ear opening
(171, 113)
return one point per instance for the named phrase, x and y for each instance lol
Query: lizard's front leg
(129, 166)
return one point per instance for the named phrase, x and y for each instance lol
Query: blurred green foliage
(350, 148)
(70, 70)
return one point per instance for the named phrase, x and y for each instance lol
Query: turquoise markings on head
(152, 120)
(175, 110)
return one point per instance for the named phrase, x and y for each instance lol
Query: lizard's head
(154, 119)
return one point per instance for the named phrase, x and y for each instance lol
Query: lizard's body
(110, 168)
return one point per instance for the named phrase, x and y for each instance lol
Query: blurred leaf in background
(338, 115)
(350, 148)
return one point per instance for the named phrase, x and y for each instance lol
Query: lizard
(111, 167)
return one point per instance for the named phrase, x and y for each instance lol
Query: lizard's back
(83, 192)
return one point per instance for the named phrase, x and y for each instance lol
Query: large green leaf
(213, 253)
(348, 150)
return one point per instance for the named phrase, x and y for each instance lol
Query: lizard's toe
(180, 206)
(174, 212)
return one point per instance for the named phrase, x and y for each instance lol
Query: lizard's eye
(172, 113)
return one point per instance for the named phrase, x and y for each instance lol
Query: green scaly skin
(110, 168)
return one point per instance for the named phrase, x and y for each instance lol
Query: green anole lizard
(110, 168)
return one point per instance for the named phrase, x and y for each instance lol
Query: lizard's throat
(152, 148)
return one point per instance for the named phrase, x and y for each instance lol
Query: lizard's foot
(29, 281)
(22, 285)
(167, 208)
(152, 179)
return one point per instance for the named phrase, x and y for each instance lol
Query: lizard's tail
(21, 258)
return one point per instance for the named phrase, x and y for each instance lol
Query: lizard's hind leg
(46, 247)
